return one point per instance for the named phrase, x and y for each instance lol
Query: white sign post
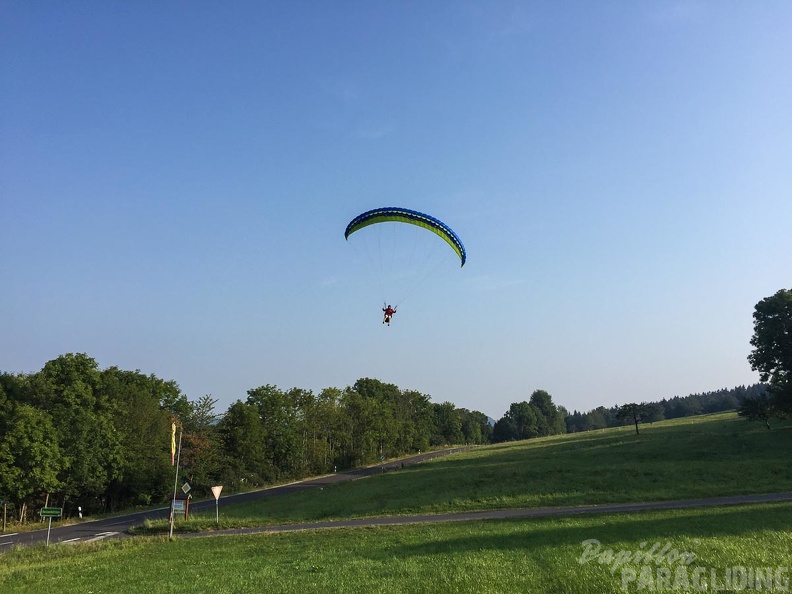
(216, 492)
(49, 513)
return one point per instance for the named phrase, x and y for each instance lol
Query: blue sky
(175, 180)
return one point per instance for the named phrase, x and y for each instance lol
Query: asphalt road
(533, 512)
(115, 527)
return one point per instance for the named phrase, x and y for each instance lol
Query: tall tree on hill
(549, 419)
(632, 412)
(772, 342)
(526, 419)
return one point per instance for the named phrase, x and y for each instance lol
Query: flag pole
(175, 485)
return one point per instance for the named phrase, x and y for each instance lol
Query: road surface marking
(101, 535)
(117, 523)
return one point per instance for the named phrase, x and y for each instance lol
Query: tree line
(73, 434)
(672, 408)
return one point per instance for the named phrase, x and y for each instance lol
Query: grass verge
(527, 555)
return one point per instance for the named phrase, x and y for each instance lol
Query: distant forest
(75, 435)
(674, 408)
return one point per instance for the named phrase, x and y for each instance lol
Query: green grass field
(695, 457)
(531, 555)
(698, 457)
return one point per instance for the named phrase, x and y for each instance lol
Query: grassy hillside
(704, 456)
(695, 457)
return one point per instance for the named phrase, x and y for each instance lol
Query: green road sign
(51, 512)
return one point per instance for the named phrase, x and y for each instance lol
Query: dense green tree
(359, 442)
(525, 419)
(475, 427)
(505, 429)
(143, 430)
(13, 388)
(632, 412)
(327, 422)
(5, 410)
(386, 426)
(69, 389)
(171, 397)
(244, 440)
(772, 352)
(597, 419)
(537, 417)
(201, 416)
(30, 457)
(447, 425)
(278, 413)
(417, 420)
(653, 411)
(202, 448)
(760, 408)
(575, 422)
(546, 413)
(560, 425)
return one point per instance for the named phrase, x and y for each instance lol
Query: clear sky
(176, 177)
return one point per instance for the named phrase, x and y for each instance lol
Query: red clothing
(389, 311)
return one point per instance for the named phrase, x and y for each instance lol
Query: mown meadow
(528, 555)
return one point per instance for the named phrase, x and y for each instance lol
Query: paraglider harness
(389, 311)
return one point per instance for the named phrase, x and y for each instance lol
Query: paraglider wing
(413, 217)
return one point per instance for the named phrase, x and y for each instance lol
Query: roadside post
(49, 513)
(181, 505)
(186, 489)
(176, 480)
(216, 492)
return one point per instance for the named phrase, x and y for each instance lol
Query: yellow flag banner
(173, 443)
